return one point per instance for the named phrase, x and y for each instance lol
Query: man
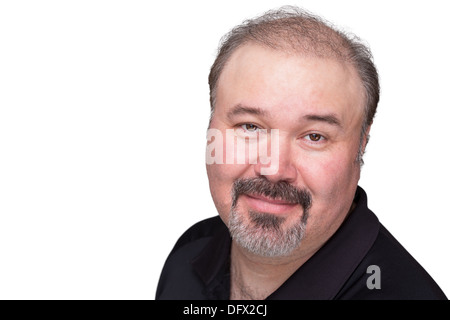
(293, 224)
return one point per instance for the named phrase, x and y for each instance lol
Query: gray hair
(292, 29)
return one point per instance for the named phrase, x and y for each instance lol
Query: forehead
(280, 82)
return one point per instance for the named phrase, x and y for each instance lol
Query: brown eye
(250, 127)
(315, 137)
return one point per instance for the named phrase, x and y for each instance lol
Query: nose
(281, 164)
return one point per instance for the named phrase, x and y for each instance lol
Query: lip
(268, 205)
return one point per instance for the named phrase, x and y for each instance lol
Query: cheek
(229, 151)
(221, 178)
(330, 178)
(332, 182)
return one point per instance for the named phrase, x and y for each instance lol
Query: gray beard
(264, 234)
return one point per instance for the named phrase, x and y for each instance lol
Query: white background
(103, 115)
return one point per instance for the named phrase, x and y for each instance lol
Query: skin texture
(298, 95)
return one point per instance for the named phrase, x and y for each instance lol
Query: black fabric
(199, 265)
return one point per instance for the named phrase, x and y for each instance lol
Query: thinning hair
(295, 30)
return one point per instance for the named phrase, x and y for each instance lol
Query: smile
(268, 205)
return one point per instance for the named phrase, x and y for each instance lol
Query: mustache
(281, 190)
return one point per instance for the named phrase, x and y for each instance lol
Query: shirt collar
(212, 265)
(322, 276)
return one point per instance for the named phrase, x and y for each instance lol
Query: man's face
(317, 106)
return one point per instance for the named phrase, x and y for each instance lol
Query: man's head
(289, 71)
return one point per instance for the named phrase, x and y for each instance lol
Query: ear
(366, 139)
(362, 146)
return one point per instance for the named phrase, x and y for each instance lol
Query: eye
(314, 137)
(249, 127)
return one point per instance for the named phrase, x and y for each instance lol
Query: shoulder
(178, 279)
(201, 230)
(405, 277)
(398, 274)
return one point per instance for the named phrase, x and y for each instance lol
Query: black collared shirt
(362, 260)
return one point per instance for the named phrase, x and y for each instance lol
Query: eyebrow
(241, 109)
(327, 118)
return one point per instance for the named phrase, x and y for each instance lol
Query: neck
(255, 278)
